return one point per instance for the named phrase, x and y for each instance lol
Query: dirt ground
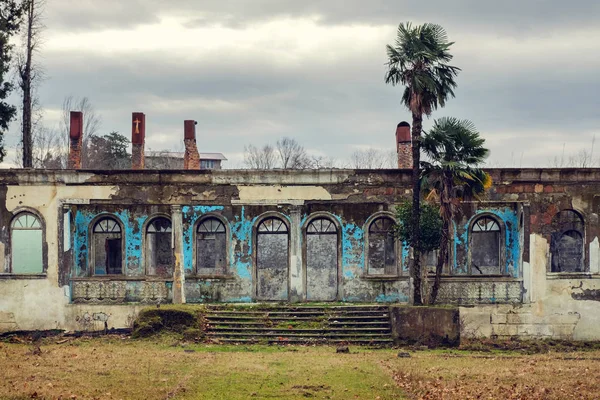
(165, 368)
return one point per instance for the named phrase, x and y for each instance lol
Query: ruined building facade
(78, 244)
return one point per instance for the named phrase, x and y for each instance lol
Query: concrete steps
(363, 325)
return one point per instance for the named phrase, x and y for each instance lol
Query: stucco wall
(525, 299)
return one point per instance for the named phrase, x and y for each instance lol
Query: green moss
(178, 319)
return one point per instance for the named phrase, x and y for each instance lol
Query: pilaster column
(178, 270)
(296, 273)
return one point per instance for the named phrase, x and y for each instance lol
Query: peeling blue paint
(512, 246)
(391, 298)
(191, 215)
(352, 250)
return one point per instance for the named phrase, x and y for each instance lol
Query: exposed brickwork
(191, 158)
(138, 138)
(404, 146)
(75, 139)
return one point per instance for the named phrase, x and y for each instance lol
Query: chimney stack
(138, 139)
(404, 145)
(191, 158)
(75, 139)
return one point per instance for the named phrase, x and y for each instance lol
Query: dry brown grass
(159, 368)
(105, 368)
(463, 375)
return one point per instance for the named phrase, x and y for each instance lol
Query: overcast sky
(252, 71)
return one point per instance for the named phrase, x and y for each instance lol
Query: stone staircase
(305, 324)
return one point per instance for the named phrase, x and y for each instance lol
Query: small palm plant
(454, 151)
(419, 61)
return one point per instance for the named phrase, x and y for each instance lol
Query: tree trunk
(447, 214)
(442, 257)
(416, 207)
(26, 86)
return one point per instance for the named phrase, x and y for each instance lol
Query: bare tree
(30, 73)
(259, 158)
(373, 159)
(291, 154)
(318, 162)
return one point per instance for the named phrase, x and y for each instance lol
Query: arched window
(272, 260)
(26, 244)
(485, 247)
(382, 247)
(321, 260)
(566, 243)
(107, 250)
(159, 249)
(211, 247)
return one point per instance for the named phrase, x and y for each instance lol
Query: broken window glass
(107, 242)
(159, 251)
(382, 247)
(26, 244)
(566, 245)
(485, 247)
(211, 247)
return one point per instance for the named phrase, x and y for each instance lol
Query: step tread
(336, 317)
(293, 334)
(292, 340)
(299, 329)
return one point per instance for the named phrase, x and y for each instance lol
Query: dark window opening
(382, 247)
(211, 247)
(159, 249)
(108, 254)
(485, 247)
(566, 243)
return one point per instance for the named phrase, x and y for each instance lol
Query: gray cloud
(522, 104)
(506, 16)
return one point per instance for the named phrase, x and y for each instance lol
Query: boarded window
(107, 241)
(272, 260)
(159, 251)
(566, 244)
(382, 247)
(321, 260)
(485, 247)
(211, 247)
(26, 242)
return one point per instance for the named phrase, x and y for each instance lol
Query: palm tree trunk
(416, 207)
(442, 257)
(447, 214)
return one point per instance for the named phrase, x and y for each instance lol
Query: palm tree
(454, 151)
(419, 61)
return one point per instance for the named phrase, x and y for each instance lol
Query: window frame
(502, 267)
(561, 232)
(145, 257)
(92, 246)
(367, 241)
(227, 272)
(255, 233)
(313, 217)
(9, 265)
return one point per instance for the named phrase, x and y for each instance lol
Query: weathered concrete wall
(425, 325)
(524, 203)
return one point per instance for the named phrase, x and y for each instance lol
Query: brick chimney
(191, 158)
(138, 139)
(75, 139)
(404, 145)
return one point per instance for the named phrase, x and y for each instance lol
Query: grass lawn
(115, 368)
